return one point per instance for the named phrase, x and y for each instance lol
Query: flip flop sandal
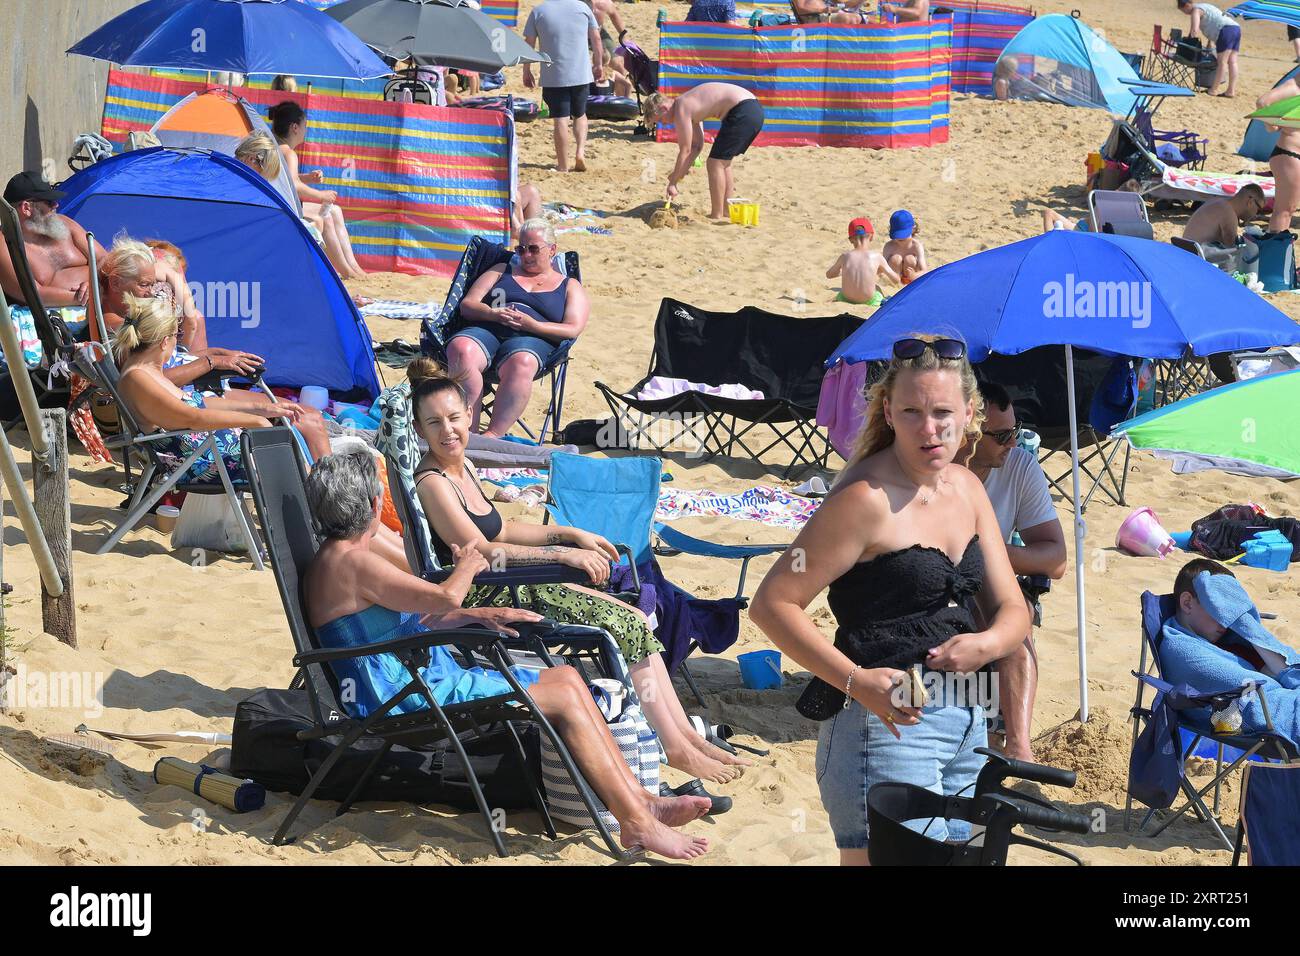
(695, 788)
(723, 734)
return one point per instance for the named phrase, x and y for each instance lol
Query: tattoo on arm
(549, 554)
(554, 538)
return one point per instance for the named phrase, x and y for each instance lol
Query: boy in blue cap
(903, 251)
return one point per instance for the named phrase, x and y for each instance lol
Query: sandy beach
(177, 639)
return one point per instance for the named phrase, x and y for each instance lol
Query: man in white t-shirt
(1023, 504)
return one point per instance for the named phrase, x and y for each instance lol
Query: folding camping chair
(277, 475)
(1119, 212)
(1226, 260)
(616, 498)
(103, 375)
(1266, 819)
(577, 645)
(1036, 383)
(480, 255)
(780, 356)
(1182, 377)
(1192, 148)
(1155, 611)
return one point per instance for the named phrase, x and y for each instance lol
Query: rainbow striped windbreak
(415, 182)
(980, 31)
(877, 85)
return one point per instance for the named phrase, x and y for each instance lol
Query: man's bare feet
(698, 764)
(677, 811)
(579, 165)
(723, 220)
(650, 834)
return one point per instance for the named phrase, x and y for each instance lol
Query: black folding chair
(781, 356)
(480, 255)
(277, 475)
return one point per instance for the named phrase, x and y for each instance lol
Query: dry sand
(178, 642)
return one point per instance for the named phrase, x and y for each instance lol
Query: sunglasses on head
(1004, 436)
(946, 349)
(532, 248)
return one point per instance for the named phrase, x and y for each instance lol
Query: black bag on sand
(266, 748)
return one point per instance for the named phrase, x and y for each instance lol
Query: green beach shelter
(1247, 428)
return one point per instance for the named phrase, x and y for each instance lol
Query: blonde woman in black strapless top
(906, 539)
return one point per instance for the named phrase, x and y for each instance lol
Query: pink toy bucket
(1141, 534)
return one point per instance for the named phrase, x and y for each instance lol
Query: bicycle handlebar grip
(1040, 773)
(1048, 819)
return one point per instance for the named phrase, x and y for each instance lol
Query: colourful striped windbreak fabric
(979, 32)
(876, 85)
(414, 182)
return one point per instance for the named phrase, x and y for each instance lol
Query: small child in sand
(904, 251)
(859, 267)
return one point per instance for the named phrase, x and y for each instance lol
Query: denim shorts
(855, 751)
(498, 348)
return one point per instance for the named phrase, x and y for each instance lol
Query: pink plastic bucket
(1141, 534)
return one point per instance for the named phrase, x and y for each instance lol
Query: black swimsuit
(891, 609)
(489, 525)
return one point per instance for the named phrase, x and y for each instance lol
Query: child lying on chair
(1215, 641)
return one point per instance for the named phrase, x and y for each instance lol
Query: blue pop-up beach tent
(262, 282)
(1107, 293)
(1059, 58)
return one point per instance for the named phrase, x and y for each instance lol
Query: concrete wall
(47, 97)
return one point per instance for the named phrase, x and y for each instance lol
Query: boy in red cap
(860, 266)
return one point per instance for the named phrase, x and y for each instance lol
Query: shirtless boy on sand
(859, 267)
(742, 120)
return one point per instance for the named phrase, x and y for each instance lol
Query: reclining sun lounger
(277, 476)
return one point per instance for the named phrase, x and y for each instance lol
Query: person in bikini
(742, 121)
(1284, 161)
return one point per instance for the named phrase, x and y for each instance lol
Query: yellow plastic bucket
(743, 212)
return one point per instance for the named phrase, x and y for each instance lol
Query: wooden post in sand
(50, 483)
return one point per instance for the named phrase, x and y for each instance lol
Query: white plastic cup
(314, 396)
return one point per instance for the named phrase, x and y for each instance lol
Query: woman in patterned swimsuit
(459, 514)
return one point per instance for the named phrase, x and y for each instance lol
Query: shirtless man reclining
(742, 121)
(1214, 224)
(56, 246)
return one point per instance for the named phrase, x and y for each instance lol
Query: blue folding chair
(480, 255)
(616, 498)
(1187, 712)
(1270, 793)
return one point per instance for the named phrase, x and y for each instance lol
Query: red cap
(861, 227)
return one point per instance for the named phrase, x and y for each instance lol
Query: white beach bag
(640, 749)
(208, 522)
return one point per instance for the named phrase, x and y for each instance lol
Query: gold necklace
(926, 499)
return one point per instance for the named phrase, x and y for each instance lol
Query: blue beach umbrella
(1112, 294)
(242, 36)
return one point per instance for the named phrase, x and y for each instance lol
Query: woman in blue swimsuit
(517, 315)
(354, 598)
(905, 540)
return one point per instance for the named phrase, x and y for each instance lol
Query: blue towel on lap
(1193, 660)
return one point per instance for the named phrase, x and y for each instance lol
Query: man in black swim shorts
(742, 121)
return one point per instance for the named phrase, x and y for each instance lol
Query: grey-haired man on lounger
(56, 245)
(742, 121)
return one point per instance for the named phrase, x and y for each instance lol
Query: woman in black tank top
(904, 541)
(460, 514)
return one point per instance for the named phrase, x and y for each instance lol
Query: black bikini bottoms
(1279, 151)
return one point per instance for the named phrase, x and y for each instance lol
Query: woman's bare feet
(698, 764)
(579, 165)
(678, 811)
(715, 752)
(650, 834)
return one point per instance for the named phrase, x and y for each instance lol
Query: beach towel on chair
(712, 623)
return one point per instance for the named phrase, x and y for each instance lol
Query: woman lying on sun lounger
(354, 599)
(460, 516)
(319, 206)
(131, 270)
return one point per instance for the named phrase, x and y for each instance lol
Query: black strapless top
(891, 609)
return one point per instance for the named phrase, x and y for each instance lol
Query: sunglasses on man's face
(532, 248)
(946, 349)
(1003, 436)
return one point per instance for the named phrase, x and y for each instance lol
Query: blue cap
(901, 225)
